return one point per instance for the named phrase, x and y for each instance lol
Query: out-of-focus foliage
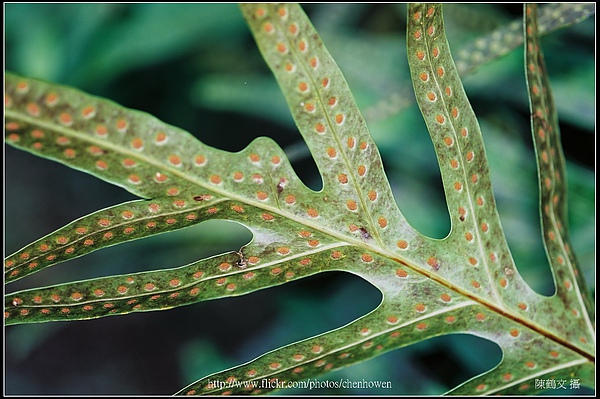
(197, 67)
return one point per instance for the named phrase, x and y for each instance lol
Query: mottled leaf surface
(466, 282)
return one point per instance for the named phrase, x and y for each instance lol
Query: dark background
(196, 66)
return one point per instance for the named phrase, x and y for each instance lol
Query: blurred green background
(196, 66)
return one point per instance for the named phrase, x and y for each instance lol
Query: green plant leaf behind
(466, 282)
(102, 40)
(507, 38)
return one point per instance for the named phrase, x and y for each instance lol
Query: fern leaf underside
(465, 283)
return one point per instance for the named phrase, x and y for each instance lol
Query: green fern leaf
(466, 282)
